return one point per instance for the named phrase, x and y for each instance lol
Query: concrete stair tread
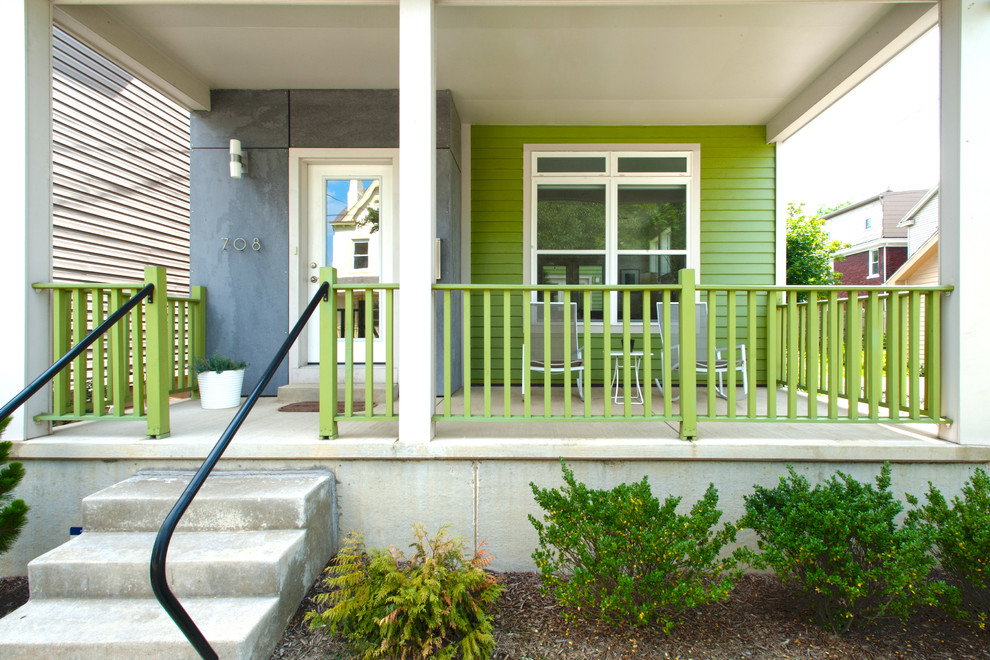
(227, 501)
(85, 628)
(104, 564)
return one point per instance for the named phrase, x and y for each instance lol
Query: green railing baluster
(99, 358)
(197, 327)
(647, 356)
(812, 354)
(823, 345)
(181, 346)
(914, 364)
(118, 356)
(833, 363)
(751, 354)
(446, 354)
(79, 331)
(527, 373)
(348, 353)
(688, 351)
(547, 353)
(61, 343)
(933, 358)
(730, 311)
(774, 324)
(586, 353)
(894, 364)
(712, 299)
(854, 362)
(487, 330)
(666, 372)
(467, 353)
(626, 344)
(566, 309)
(793, 359)
(507, 353)
(369, 355)
(875, 352)
(328, 356)
(607, 352)
(390, 353)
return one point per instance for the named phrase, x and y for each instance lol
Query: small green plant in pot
(220, 381)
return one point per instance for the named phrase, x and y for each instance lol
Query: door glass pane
(353, 208)
(647, 269)
(652, 217)
(574, 269)
(570, 217)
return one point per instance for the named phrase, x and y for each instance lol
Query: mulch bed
(13, 594)
(761, 619)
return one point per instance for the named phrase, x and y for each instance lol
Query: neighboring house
(877, 242)
(631, 144)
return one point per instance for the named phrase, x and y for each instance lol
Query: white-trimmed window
(360, 253)
(874, 262)
(613, 217)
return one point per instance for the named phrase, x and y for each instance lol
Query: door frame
(300, 160)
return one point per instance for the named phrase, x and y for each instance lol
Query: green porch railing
(129, 373)
(821, 352)
(362, 313)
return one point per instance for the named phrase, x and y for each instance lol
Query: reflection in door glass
(352, 206)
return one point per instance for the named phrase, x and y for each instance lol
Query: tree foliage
(809, 250)
(13, 513)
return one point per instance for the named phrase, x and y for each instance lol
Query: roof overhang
(777, 64)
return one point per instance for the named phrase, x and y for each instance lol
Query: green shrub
(433, 604)
(962, 540)
(623, 556)
(839, 544)
(13, 513)
(218, 363)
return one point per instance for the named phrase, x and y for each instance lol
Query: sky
(884, 134)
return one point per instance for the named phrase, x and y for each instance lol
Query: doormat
(314, 406)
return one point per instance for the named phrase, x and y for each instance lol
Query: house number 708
(240, 244)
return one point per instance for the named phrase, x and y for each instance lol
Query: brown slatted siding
(120, 170)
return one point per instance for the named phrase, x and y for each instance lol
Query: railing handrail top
(362, 286)
(88, 285)
(677, 287)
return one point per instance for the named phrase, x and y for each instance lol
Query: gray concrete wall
(482, 499)
(247, 290)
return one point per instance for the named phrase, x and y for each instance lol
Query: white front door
(350, 215)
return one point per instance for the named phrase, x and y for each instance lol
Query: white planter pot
(220, 390)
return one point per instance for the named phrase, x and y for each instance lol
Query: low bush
(434, 603)
(623, 556)
(838, 542)
(962, 540)
(13, 512)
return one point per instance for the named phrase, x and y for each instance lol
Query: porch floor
(273, 435)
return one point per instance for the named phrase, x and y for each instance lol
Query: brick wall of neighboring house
(855, 268)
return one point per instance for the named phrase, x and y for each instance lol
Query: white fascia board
(122, 45)
(908, 218)
(894, 32)
(872, 245)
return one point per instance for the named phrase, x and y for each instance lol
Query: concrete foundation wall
(482, 500)
(247, 289)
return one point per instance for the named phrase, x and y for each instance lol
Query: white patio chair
(722, 364)
(557, 360)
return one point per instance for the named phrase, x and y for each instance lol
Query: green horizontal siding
(737, 191)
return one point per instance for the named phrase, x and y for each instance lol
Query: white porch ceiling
(733, 63)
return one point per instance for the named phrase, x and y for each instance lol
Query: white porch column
(965, 218)
(417, 219)
(25, 184)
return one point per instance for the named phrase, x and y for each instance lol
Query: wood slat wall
(120, 170)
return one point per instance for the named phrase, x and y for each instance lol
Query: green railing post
(328, 370)
(159, 344)
(689, 393)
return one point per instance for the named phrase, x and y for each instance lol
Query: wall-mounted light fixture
(238, 164)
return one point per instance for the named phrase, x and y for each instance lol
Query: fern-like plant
(13, 513)
(432, 604)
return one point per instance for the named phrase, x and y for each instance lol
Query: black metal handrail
(159, 552)
(39, 382)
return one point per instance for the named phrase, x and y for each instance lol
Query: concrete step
(228, 501)
(80, 629)
(200, 564)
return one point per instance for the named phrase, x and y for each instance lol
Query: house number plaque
(240, 244)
